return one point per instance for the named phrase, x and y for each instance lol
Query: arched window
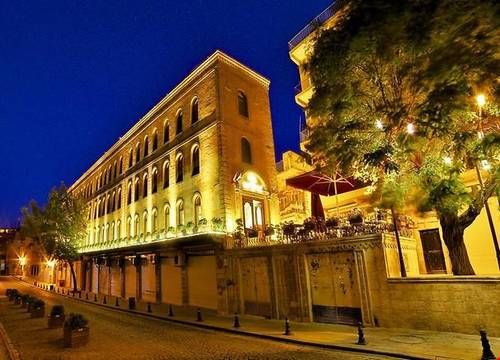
(242, 104)
(136, 225)
(98, 234)
(180, 212)
(115, 170)
(108, 233)
(246, 151)
(113, 201)
(166, 215)
(145, 185)
(129, 193)
(112, 232)
(144, 223)
(155, 140)
(178, 128)
(130, 158)
(195, 160)
(129, 227)
(166, 174)
(166, 133)
(194, 110)
(197, 209)
(118, 229)
(119, 198)
(137, 152)
(154, 181)
(154, 220)
(146, 146)
(108, 205)
(179, 168)
(120, 169)
(137, 189)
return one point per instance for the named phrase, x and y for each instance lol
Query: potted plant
(17, 299)
(309, 224)
(202, 224)
(332, 223)
(189, 227)
(288, 228)
(181, 229)
(355, 217)
(37, 309)
(269, 230)
(171, 231)
(56, 317)
(252, 233)
(76, 331)
(12, 294)
(29, 303)
(24, 301)
(217, 224)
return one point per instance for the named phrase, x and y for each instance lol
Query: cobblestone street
(116, 335)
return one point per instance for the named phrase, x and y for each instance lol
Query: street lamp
(22, 262)
(481, 101)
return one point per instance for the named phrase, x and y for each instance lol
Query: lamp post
(22, 262)
(481, 101)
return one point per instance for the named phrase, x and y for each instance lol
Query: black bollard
(116, 302)
(80, 295)
(361, 334)
(170, 310)
(104, 300)
(198, 315)
(236, 323)
(487, 353)
(74, 293)
(86, 296)
(57, 290)
(149, 308)
(287, 327)
(62, 291)
(95, 297)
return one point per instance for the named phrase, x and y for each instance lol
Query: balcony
(315, 23)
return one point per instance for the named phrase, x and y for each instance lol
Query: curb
(13, 353)
(245, 332)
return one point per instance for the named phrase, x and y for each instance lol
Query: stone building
(162, 199)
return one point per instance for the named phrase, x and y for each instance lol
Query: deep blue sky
(75, 76)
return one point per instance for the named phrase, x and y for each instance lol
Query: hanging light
(481, 100)
(485, 165)
(410, 128)
(379, 124)
(447, 160)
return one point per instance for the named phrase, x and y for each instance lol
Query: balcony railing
(304, 135)
(297, 89)
(296, 234)
(315, 23)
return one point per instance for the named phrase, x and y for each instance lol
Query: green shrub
(57, 310)
(75, 322)
(37, 303)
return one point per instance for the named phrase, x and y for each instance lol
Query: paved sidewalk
(403, 343)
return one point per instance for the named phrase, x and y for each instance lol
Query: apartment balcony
(303, 93)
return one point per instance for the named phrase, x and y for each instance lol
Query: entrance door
(334, 288)
(256, 288)
(433, 251)
(253, 213)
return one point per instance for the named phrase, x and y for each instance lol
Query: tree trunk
(73, 275)
(453, 236)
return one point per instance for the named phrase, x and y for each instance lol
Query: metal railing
(315, 23)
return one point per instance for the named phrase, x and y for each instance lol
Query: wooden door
(255, 286)
(433, 251)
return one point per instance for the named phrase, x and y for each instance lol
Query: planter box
(17, 301)
(75, 338)
(56, 321)
(37, 312)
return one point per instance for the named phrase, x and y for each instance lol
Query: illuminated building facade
(163, 199)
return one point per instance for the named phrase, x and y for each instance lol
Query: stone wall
(456, 304)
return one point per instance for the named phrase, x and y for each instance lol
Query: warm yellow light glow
(252, 183)
(51, 263)
(486, 165)
(410, 129)
(379, 124)
(480, 135)
(22, 260)
(481, 100)
(447, 160)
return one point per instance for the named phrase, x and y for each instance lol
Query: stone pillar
(138, 277)
(158, 278)
(121, 264)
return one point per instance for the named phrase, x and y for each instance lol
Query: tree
(394, 104)
(58, 227)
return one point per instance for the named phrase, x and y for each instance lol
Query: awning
(321, 184)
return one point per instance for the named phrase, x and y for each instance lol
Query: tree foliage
(395, 100)
(58, 227)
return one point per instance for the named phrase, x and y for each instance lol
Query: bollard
(74, 293)
(149, 308)
(104, 300)
(361, 334)
(487, 353)
(170, 310)
(116, 302)
(86, 296)
(62, 291)
(198, 315)
(95, 297)
(287, 327)
(236, 323)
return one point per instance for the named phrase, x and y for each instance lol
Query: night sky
(75, 76)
